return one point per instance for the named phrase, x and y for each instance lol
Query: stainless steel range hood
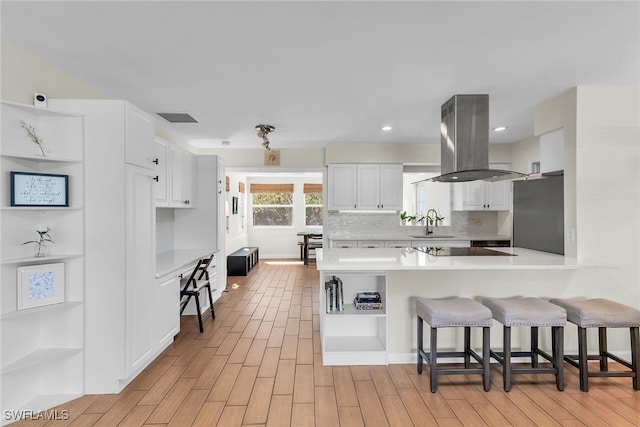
(464, 139)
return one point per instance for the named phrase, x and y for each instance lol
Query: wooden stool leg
(433, 356)
(557, 338)
(582, 359)
(420, 345)
(602, 349)
(467, 347)
(506, 367)
(534, 346)
(486, 358)
(635, 355)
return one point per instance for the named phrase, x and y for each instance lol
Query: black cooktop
(461, 251)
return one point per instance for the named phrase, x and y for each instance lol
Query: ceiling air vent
(177, 117)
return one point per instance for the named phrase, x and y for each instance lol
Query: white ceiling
(331, 72)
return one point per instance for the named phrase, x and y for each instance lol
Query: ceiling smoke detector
(262, 131)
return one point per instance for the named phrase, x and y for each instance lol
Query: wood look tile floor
(259, 364)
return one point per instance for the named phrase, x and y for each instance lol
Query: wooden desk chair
(315, 242)
(191, 287)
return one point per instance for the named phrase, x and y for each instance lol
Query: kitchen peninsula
(400, 275)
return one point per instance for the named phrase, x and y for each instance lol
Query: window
(313, 204)
(272, 204)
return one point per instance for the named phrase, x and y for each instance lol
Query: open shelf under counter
(40, 356)
(354, 350)
(351, 310)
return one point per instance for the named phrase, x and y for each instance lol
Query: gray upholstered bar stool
(454, 312)
(602, 314)
(533, 313)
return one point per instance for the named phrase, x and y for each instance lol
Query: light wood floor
(259, 363)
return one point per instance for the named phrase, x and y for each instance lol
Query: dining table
(308, 235)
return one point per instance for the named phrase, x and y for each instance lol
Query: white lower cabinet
(444, 243)
(397, 244)
(344, 243)
(352, 336)
(370, 243)
(166, 310)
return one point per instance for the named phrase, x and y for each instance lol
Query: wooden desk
(307, 235)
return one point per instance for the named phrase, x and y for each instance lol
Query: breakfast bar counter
(401, 275)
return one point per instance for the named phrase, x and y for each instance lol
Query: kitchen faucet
(427, 219)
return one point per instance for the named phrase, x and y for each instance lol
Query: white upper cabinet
(161, 178)
(482, 195)
(391, 187)
(183, 180)
(367, 187)
(140, 133)
(552, 151)
(342, 189)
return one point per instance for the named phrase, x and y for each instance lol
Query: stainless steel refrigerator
(538, 214)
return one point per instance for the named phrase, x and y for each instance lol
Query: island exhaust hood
(464, 139)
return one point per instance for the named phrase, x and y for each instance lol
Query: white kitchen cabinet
(482, 195)
(440, 243)
(140, 232)
(183, 178)
(397, 244)
(42, 348)
(161, 178)
(166, 309)
(119, 246)
(351, 336)
(371, 243)
(552, 151)
(344, 243)
(366, 187)
(379, 187)
(139, 137)
(342, 183)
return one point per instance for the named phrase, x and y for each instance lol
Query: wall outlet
(571, 234)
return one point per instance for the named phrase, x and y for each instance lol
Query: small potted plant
(40, 244)
(403, 217)
(412, 219)
(438, 219)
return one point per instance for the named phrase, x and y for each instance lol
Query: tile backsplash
(374, 224)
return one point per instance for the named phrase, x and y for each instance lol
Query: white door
(368, 187)
(391, 187)
(140, 266)
(342, 187)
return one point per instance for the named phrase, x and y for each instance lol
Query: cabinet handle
(155, 161)
(156, 178)
(382, 206)
(354, 206)
(186, 202)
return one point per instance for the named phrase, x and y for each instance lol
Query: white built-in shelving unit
(352, 336)
(42, 355)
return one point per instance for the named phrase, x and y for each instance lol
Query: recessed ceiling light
(386, 128)
(499, 128)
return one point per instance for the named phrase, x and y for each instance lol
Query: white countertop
(416, 236)
(171, 261)
(384, 259)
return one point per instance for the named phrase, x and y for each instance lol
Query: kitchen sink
(432, 237)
